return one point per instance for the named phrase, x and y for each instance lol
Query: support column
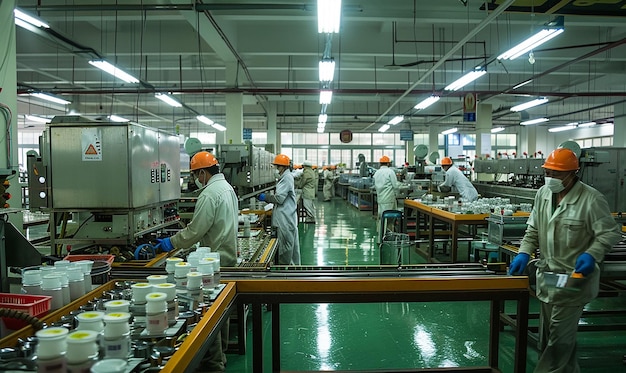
(528, 140)
(410, 152)
(8, 97)
(272, 133)
(234, 118)
(619, 125)
(484, 124)
(433, 140)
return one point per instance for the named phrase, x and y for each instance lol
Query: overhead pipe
(499, 10)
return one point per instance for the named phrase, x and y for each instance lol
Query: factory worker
(308, 183)
(214, 224)
(284, 216)
(386, 185)
(456, 181)
(329, 181)
(572, 226)
(363, 171)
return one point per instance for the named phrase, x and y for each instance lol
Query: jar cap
(82, 336)
(50, 281)
(90, 316)
(156, 297)
(54, 332)
(31, 277)
(116, 317)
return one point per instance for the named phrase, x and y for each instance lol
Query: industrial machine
(601, 168)
(104, 184)
(247, 168)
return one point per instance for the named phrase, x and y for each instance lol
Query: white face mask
(198, 182)
(276, 173)
(554, 184)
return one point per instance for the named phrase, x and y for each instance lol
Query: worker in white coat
(386, 185)
(308, 183)
(284, 215)
(214, 224)
(457, 182)
(329, 180)
(572, 227)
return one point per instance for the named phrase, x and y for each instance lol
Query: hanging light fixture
(218, 127)
(110, 69)
(384, 128)
(497, 129)
(561, 128)
(466, 79)
(22, 19)
(205, 120)
(326, 96)
(529, 104)
(395, 120)
(327, 69)
(534, 121)
(117, 119)
(35, 118)
(168, 99)
(50, 97)
(328, 16)
(548, 32)
(449, 131)
(426, 102)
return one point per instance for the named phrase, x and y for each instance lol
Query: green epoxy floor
(401, 335)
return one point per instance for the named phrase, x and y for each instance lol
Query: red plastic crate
(96, 258)
(34, 305)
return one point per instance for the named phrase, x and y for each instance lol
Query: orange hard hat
(384, 159)
(325, 168)
(446, 161)
(561, 159)
(202, 160)
(333, 167)
(281, 160)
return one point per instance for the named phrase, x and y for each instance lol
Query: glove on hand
(165, 244)
(519, 264)
(585, 264)
(261, 197)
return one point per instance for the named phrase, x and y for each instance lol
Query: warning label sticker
(90, 144)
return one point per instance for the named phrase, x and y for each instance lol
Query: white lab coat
(215, 222)
(460, 184)
(386, 184)
(308, 183)
(285, 219)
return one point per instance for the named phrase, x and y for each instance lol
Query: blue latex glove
(585, 264)
(262, 197)
(519, 264)
(165, 244)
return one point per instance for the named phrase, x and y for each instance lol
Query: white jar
(181, 269)
(116, 324)
(156, 279)
(86, 266)
(117, 306)
(170, 297)
(194, 280)
(31, 282)
(206, 268)
(51, 286)
(51, 343)
(91, 320)
(170, 264)
(81, 347)
(116, 341)
(140, 290)
(156, 313)
(76, 280)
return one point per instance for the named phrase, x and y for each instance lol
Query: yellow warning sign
(91, 150)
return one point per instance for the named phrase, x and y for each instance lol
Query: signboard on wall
(469, 107)
(247, 133)
(406, 135)
(345, 136)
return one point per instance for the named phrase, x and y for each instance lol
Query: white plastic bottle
(31, 282)
(76, 282)
(51, 286)
(170, 298)
(116, 341)
(82, 350)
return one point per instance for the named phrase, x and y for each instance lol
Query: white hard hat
(307, 163)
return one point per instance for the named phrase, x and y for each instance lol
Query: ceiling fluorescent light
(326, 97)
(561, 129)
(205, 120)
(449, 131)
(529, 104)
(327, 70)
(522, 84)
(51, 98)
(320, 129)
(168, 99)
(384, 128)
(427, 102)
(328, 16)
(19, 15)
(118, 119)
(218, 127)
(547, 33)
(497, 129)
(110, 69)
(586, 124)
(322, 125)
(322, 118)
(35, 118)
(465, 80)
(395, 120)
(534, 121)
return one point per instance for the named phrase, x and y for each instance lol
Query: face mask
(198, 182)
(554, 184)
(277, 174)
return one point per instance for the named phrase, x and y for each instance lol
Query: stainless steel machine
(602, 168)
(247, 168)
(105, 184)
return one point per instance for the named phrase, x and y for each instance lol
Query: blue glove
(519, 264)
(164, 244)
(585, 264)
(262, 197)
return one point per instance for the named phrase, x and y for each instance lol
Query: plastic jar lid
(50, 281)
(109, 366)
(117, 305)
(116, 317)
(156, 302)
(168, 289)
(52, 333)
(74, 274)
(156, 279)
(62, 264)
(91, 316)
(32, 277)
(51, 342)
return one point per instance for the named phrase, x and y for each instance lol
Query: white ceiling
(171, 46)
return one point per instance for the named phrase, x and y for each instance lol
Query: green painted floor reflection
(400, 335)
